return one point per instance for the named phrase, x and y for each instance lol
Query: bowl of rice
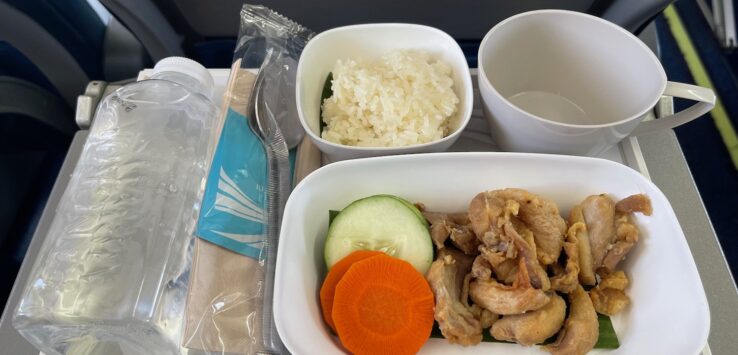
(383, 89)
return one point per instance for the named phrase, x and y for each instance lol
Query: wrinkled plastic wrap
(112, 274)
(229, 301)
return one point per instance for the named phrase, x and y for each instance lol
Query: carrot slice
(328, 290)
(383, 306)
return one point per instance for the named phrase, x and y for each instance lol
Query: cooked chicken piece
(556, 270)
(626, 232)
(543, 218)
(568, 280)
(481, 269)
(626, 236)
(461, 218)
(635, 203)
(586, 269)
(459, 263)
(527, 254)
(599, 215)
(609, 301)
(490, 210)
(502, 299)
(432, 217)
(440, 231)
(457, 324)
(440, 226)
(455, 226)
(505, 269)
(446, 276)
(617, 280)
(486, 317)
(581, 329)
(532, 327)
(609, 296)
(463, 238)
(488, 213)
(465, 290)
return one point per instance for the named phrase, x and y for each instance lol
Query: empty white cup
(555, 81)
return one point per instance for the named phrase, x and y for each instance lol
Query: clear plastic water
(113, 272)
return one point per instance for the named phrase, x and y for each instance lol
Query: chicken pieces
(505, 256)
(609, 296)
(488, 213)
(481, 268)
(581, 329)
(612, 233)
(490, 210)
(624, 238)
(505, 269)
(578, 226)
(453, 226)
(635, 203)
(626, 232)
(446, 277)
(532, 327)
(527, 256)
(599, 215)
(502, 299)
(568, 280)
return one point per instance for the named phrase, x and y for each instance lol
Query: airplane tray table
(657, 156)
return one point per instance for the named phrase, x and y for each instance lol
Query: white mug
(555, 81)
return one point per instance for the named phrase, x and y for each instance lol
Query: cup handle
(705, 102)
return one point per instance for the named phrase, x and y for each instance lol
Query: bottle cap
(188, 67)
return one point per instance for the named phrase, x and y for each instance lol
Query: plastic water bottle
(113, 272)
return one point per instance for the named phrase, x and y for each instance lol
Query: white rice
(403, 98)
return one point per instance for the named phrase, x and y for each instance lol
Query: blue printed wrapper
(233, 206)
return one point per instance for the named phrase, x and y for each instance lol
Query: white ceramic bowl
(371, 41)
(668, 313)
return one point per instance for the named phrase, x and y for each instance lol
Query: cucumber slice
(384, 223)
(332, 214)
(412, 207)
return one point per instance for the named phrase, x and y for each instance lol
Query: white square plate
(669, 312)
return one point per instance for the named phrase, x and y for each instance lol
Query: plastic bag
(229, 301)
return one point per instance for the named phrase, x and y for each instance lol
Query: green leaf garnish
(331, 216)
(327, 92)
